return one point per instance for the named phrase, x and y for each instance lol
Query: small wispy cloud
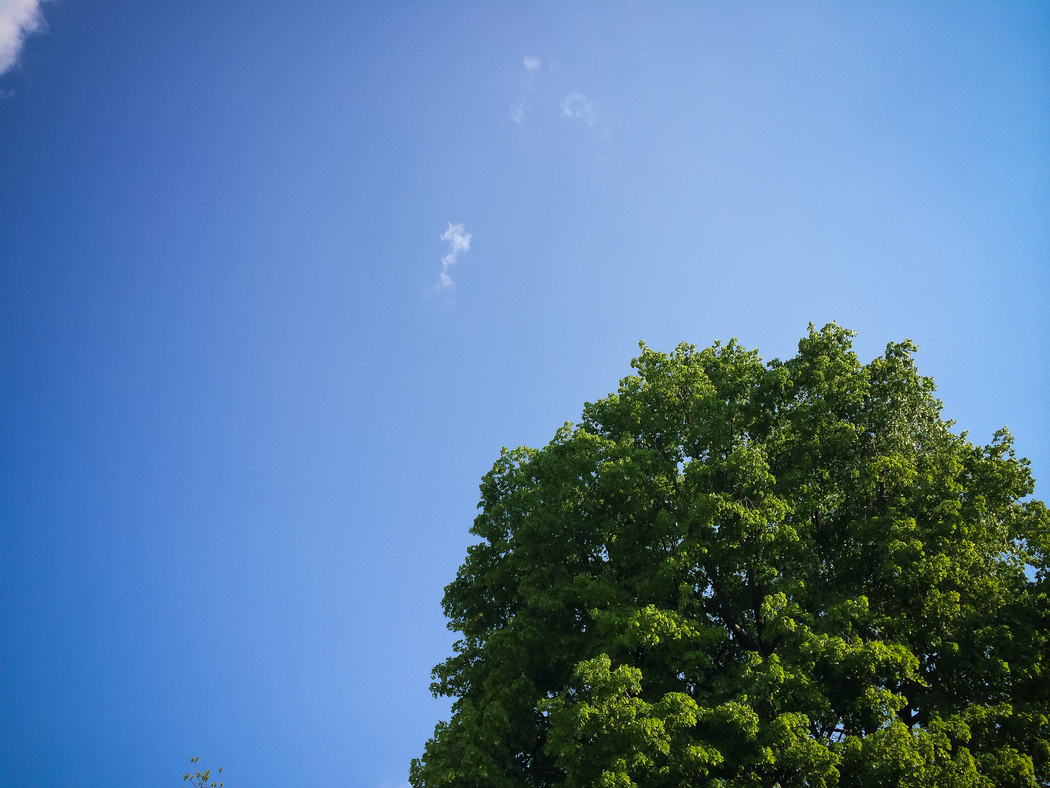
(458, 241)
(518, 108)
(577, 105)
(18, 18)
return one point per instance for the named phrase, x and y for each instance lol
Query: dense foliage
(739, 573)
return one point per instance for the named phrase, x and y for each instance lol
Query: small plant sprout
(202, 779)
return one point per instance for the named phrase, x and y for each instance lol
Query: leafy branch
(202, 779)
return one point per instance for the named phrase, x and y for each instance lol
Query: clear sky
(279, 279)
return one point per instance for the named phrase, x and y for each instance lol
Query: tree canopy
(739, 573)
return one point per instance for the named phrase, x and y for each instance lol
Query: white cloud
(458, 241)
(18, 18)
(519, 108)
(577, 105)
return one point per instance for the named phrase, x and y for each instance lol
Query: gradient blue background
(241, 425)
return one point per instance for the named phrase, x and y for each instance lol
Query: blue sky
(242, 417)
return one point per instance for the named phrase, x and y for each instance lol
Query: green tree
(737, 573)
